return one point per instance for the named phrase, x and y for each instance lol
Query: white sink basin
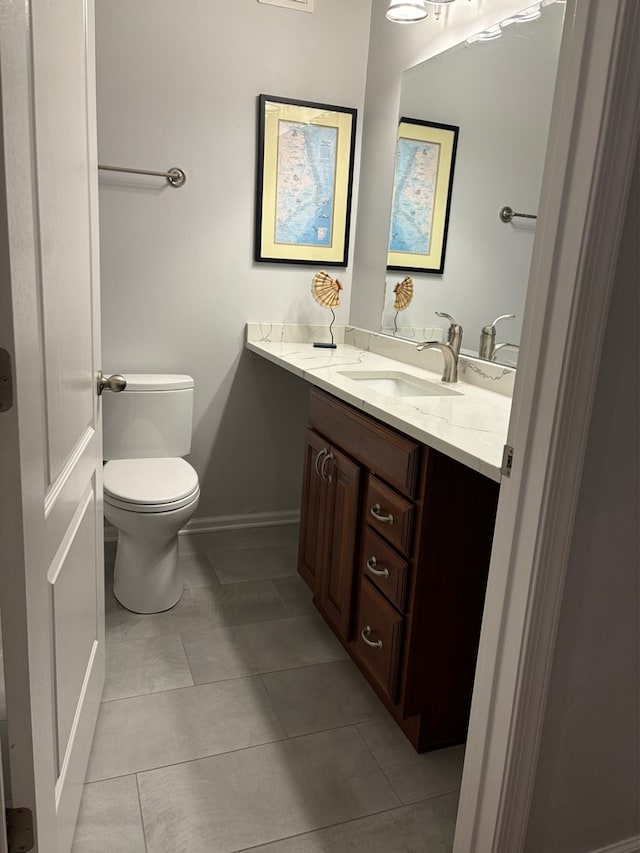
(394, 383)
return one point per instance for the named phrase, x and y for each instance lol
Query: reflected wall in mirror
(499, 93)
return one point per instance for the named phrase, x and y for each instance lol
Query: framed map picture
(305, 173)
(423, 178)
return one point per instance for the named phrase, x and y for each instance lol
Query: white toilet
(150, 493)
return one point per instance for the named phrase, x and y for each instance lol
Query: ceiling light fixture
(407, 11)
(412, 11)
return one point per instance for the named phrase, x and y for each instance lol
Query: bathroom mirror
(499, 93)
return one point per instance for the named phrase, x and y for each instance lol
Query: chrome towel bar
(176, 177)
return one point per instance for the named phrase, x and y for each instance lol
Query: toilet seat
(150, 485)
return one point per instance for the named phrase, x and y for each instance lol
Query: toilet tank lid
(157, 381)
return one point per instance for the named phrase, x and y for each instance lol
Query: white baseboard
(631, 845)
(227, 522)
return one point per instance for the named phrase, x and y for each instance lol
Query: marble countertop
(471, 427)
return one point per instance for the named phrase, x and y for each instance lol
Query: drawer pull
(324, 476)
(318, 458)
(379, 573)
(365, 634)
(375, 512)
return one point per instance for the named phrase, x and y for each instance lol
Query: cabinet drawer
(381, 449)
(384, 568)
(389, 514)
(379, 634)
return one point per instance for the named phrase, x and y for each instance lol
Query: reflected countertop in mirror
(499, 93)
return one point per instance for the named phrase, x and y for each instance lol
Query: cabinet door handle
(379, 573)
(365, 634)
(324, 476)
(318, 458)
(375, 512)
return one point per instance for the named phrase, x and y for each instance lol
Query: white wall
(587, 790)
(177, 86)
(499, 94)
(394, 48)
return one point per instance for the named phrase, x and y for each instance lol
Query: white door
(51, 575)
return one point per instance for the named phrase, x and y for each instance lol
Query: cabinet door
(314, 500)
(341, 526)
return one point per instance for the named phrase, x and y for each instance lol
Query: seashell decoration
(326, 290)
(404, 293)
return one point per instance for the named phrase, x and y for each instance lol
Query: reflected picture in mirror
(499, 93)
(422, 181)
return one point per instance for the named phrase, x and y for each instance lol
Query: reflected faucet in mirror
(499, 347)
(488, 347)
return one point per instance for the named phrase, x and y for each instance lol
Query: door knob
(115, 383)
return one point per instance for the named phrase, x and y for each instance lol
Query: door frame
(594, 131)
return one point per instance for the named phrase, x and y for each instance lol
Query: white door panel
(59, 53)
(51, 577)
(73, 617)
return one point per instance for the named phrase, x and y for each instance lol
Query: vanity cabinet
(395, 544)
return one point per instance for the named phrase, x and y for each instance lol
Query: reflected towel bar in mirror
(176, 177)
(507, 213)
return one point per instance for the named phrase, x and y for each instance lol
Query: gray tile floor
(236, 721)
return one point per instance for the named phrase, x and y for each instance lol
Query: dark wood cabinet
(310, 551)
(395, 544)
(327, 548)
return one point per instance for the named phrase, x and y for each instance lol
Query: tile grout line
(389, 811)
(174, 689)
(191, 760)
(186, 654)
(144, 830)
(370, 751)
(284, 603)
(221, 680)
(275, 710)
(413, 802)
(284, 739)
(286, 616)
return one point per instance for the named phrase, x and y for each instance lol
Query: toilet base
(146, 576)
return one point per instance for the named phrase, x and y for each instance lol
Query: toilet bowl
(150, 492)
(148, 501)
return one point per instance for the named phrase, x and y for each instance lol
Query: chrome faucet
(488, 348)
(454, 333)
(450, 372)
(450, 350)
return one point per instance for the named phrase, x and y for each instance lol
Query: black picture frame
(305, 163)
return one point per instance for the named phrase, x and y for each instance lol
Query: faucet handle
(454, 332)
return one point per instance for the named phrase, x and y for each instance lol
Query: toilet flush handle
(115, 383)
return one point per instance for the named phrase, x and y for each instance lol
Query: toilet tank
(152, 417)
